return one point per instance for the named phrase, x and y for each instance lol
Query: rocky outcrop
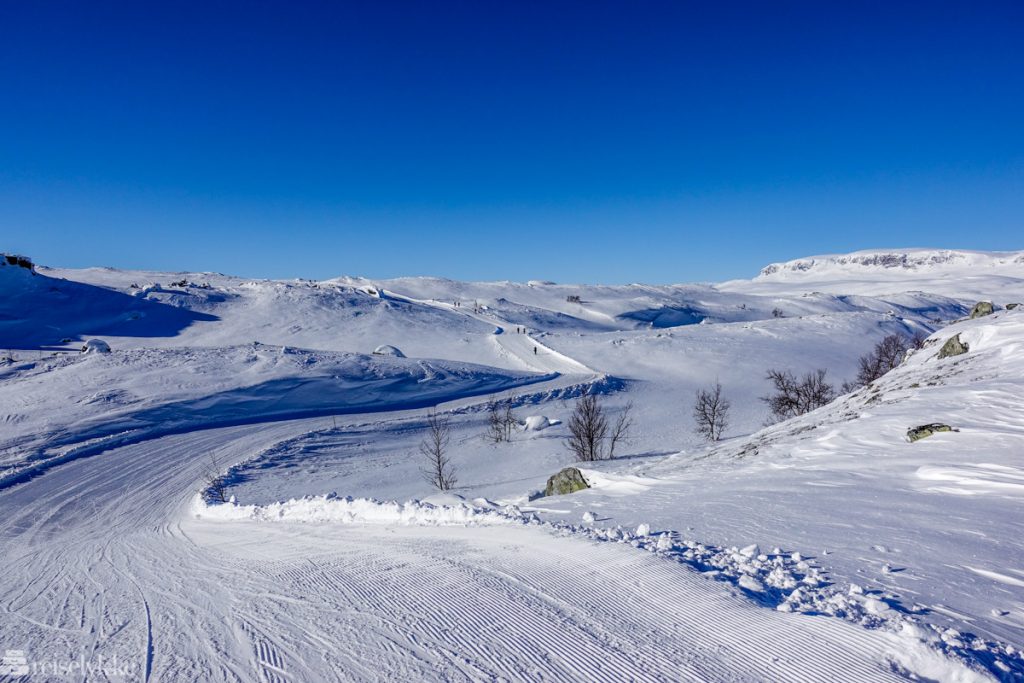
(1010, 307)
(917, 433)
(981, 309)
(568, 480)
(953, 347)
(18, 262)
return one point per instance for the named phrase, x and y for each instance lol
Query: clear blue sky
(589, 141)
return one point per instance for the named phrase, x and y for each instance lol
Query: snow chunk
(96, 346)
(388, 350)
(751, 584)
(535, 423)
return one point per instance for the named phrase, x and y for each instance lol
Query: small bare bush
(438, 470)
(887, 354)
(591, 436)
(711, 412)
(794, 396)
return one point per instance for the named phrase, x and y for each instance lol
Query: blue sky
(599, 142)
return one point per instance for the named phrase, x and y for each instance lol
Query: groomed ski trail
(103, 558)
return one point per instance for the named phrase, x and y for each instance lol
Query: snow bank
(783, 580)
(331, 508)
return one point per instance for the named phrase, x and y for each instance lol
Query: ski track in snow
(105, 558)
(120, 569)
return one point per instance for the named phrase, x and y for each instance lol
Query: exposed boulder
(388, 350)
(568, 480)
(916, 433)
(953, 347)
(96, 346)
(981, 309)
(1010, 307)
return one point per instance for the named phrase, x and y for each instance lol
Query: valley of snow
(826, 547)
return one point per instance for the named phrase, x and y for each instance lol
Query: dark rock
(568, 480)
(1010, 307)
(916, 433)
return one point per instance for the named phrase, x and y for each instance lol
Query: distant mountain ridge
(888, 259)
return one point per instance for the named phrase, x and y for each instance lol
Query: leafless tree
(434, 448)
(777, 313)
(591, 435)
(887, 354)
(508, 417)
(588, 428)
(501, 419)
(495, 422)
(711, 412)
(795, 396)
(917, 341)
(620, 430)
(215, 486)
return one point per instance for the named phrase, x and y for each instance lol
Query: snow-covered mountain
(681, 561)
(957, 273)
(875, 262)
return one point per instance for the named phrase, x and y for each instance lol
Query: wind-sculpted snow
(146, 394)
(37, 311)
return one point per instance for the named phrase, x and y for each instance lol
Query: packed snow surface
(235, 491)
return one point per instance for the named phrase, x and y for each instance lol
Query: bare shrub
(438, 471)
(215, 487)
(588, 428)
(887, 354)
(495, 423)
(711, 412)
(501, 419)
(591, 436)
(620, 430)
(795, 396)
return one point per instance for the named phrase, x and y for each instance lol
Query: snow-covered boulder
(535, 423)
(388, 350)
(96, 346)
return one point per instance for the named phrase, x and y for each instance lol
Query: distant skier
(535, 350)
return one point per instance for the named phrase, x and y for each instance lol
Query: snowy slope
(272, 382)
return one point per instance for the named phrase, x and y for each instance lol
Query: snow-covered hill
(875, 262)
(958, 273)
(914, 548)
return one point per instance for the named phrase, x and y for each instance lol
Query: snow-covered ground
(875, 558)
